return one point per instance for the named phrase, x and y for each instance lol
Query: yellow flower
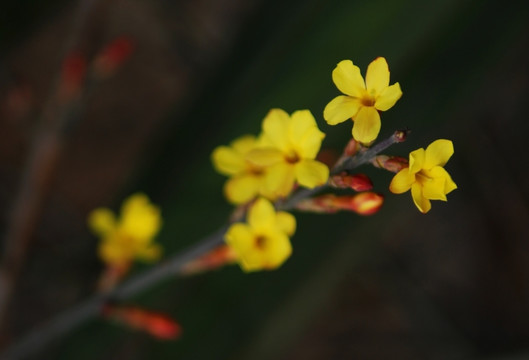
(130, 237)
(263, 242)
(289, 146)
(246, 179)
(425, 175)
(362, 100)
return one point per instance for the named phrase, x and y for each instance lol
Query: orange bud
(73, 72)
(390, 163)
(156, 324)
(366, 203)
(352, 147)
(113, 55)
(222, 255)
(357, 182)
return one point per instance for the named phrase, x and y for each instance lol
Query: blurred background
(452, 284)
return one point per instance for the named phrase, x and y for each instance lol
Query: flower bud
(156, 324)
(366, 203)
(357, 182)
(390, 163)
(112, 56)
(216, 258)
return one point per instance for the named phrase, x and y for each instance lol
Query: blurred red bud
(352, 147)
(357, 182)
(156, 324)
(390, 163)
(73, 72)
(113, 56)
(215, 259)
(366, 203)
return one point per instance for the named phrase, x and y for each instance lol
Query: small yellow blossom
(289, 146)
(246, 179)
(363, 99)
(263, 242)
(425, 175)
(130, 237)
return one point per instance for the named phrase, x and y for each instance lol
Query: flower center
(260, 242)
(422, 178)
(292, 157)
(367, 100)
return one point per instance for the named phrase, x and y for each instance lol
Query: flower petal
(301, 122)
(388, 97)
(149, 253)
(227, 161)
(278, 249)
(440, 172)
(434, 189)
(286, 222)
(261, 215)
(438, 153)
(244, 144)
(348, 79)
(279, 179)
(366, 124)
(275, 128)
(311, 173)
(102, 221)
(239, 237)
(401, 182)
(264, 157)
(241, 189)
(377, 76)
(139, 218)
(422, 203)
(416, 161)
(308, 146)
(340, 109)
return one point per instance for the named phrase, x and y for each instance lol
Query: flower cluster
(271, 164)
(131, 236)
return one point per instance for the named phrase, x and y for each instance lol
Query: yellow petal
(139, 218)
(227, 161)
(286, 222)
(377, 76)
(422, 203)
(264, 157)
(366, 124)
(340, 109)
(348, 79)
(149, 253)
(437, 172)
(308, 146)
(311, 173)
(434, 189)
(401, 182)
(262, 215)
(275, 128)
(388, 97)
(112, 252)
(102, 221)
(279, 179)
(416, 161)
(240, 238)
(278, 249)
(244, 144)
(301, 121)
(438, 153)
(243, 188)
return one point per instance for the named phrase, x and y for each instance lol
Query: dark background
(452, 284)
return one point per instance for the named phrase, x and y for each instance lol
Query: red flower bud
(156, 324)
(357, 182)
(390, 163)
(366, 203)
(112, 56)
(215, 259)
